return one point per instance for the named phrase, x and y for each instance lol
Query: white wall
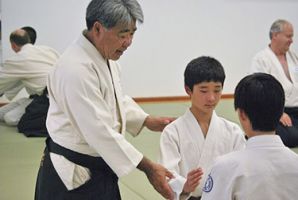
(57, 22)
(174, 32)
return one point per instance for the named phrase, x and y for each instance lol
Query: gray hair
(277, 27)
(113, 12)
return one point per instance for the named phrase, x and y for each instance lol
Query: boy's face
(205, 96)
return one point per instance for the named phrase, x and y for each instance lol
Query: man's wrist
(146, 121)
(145, 165)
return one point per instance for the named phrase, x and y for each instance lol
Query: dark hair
(262, 98)
(31, 32)
(19, 38)
(111, 12)
(203, 69)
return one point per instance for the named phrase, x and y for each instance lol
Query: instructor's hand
(157, 123)
(158, 177)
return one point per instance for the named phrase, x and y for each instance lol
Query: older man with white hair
(278, 60)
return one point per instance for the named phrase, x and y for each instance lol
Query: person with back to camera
(28, 69)
(32, 36)
(31, 32)
(88, 114)
(266, 168)
(189, 145)
(278, 60)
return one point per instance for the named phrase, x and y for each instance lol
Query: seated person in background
(278, 60)
(28, 69)
(32, 36)
(266, 168)
(189, 145)
(31, 32)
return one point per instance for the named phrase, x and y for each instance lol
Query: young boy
(265, 169)
(190, 144)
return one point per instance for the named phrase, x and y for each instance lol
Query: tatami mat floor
(20, 156)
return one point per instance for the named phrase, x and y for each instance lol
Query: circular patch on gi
(208, 184)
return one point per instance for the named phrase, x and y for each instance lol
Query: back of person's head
(31, 32)
(113, 12)
(277, 27)
(262, 99)
(19, 37)
(203, 69)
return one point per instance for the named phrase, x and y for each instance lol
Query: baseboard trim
(163, 99)
(172, 98)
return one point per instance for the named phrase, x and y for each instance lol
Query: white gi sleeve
(170, 157)
(135, 116)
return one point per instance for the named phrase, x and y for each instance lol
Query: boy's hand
(193, 180)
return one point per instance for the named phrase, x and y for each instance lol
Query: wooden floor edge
(172, 98)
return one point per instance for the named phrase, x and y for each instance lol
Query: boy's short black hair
(203, 69)
(262, 98)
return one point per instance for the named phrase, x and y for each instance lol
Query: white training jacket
(183, 146)
(266, 61)
(27, 69)
(265, 169)
(88, 112)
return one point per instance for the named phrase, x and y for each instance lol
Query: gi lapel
(210, 142)
(209, 149)
(195, 132)
(118, 94)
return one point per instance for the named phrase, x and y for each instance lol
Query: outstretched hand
(193, 180)
(159, 181)
(157, 123)
(158, 176)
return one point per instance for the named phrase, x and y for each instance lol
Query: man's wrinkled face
(116, 40)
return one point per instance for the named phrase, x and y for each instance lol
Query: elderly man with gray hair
(88, 114)
(278, 60)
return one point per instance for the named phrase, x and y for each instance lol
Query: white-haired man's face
(284, 39)
(112, 43)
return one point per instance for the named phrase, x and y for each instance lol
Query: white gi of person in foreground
(266, 168)
(29, 69)
(189, 145)
(278, 60)
(88, 114)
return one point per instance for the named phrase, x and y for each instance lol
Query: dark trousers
(194, 198)
(103, 184)
(33, 121)
(289, 135)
